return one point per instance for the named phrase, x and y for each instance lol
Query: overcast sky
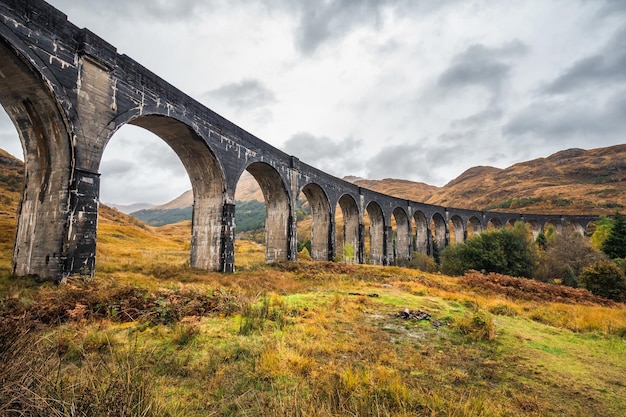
(420, 90)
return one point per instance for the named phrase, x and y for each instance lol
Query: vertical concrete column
(292, 236)
(227, 240)
(332, 237)
(80, 247)
(388, 256)
(429, 242)
(361, 247)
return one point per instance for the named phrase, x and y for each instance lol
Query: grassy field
(148, 336)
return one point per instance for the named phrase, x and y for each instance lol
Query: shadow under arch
(278, 211)
(320, 221)
(207, 184)
(473, 226)
(439, 232)
(457, 229)
(350, 233)
(41, 244)
(376, 233)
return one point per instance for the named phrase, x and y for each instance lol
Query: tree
(505, 251)
(615, 243)
(603, 227)
(564, 257)
(606, 279)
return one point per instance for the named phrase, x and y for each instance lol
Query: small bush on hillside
(606, 279)
(419, 261)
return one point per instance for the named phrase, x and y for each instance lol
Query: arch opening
(421, 233)
(473, 227)
(457, 230)
(494, 224)
(177, 160)
(278, 218)
(347, 229)
(402, 236)
(439, 235)
(320, 226)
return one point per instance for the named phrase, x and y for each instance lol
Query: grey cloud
(324, 153)
(558, 120)
(243, 95)
(404, 161)
(481, 66)
(116, 167)
(161, 10)
(320, 21)
(604, 68)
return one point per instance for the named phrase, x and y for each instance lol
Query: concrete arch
(376, 233)
(571, 226)
(439, 231)
(535, 227)
(279, 216)
(41, 245)
(473, 226)
(457, 229)
(207, 184)
(320, 221)
(350, 212)
(403, 242)
(494, 224)
(422, 233)
(551, 224)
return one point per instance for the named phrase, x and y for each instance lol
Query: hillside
(571, 181)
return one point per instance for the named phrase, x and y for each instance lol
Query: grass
(150, 336)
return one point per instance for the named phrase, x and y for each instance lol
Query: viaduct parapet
(68, 91)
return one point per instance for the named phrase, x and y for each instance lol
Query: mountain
(570, 181)
(410, 190)
(129, 208)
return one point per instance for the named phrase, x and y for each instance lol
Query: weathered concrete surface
(68, 91)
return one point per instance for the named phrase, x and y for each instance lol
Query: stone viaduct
(67, 91)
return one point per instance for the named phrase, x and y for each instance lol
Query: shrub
(504, 251)
(606, 279)
(564, 257)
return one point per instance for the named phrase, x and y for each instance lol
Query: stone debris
(413, 315)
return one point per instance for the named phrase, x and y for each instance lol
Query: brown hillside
(571, 181)
(247, 189)
(410, 190)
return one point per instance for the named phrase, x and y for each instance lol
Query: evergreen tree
(614, 246)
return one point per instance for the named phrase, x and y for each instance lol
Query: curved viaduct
(67, 92)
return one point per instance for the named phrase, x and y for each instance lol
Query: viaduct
(67, 91)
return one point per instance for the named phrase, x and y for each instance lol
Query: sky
(413, 89)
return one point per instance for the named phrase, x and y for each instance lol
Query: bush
(564, 258)
(419, 261)
(606, 279)
(504, 251)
